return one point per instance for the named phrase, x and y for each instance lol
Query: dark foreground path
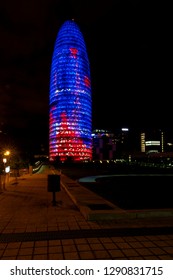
(32, 228)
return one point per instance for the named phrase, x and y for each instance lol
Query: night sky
(129, 48)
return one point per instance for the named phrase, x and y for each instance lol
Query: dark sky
(129, 48)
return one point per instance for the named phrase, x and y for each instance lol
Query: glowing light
(4, 160)
(70, 120)
(7, 153)
(152, 143)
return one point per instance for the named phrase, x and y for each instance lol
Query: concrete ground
(33, 227)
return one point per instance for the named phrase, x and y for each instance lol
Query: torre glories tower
(70, 102)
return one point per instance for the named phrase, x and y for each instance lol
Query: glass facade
(70, 102)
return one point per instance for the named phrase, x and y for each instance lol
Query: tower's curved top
(70, 34)
(70, 45)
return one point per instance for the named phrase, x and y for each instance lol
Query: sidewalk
(31, 227)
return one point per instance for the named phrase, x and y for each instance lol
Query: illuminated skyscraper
(70, 103)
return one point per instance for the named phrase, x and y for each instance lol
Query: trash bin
(53, 186)
(53, 183)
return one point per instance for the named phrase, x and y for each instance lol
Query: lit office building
(70, 103)
(143, 142)
(104, 145)
(152, 141)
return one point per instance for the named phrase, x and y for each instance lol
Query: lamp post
(6, 170)
(4, 161)
(4, 174)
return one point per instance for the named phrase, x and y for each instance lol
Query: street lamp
(6, 168)
(7, 153)
(4, 174)
(7, 156)
(4, 161)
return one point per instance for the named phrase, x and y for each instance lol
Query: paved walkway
(31, 227)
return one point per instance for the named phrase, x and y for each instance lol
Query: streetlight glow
(7, 153)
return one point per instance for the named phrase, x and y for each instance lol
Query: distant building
(123, 142)
(104, 145)
(131, 144)
(153, 141)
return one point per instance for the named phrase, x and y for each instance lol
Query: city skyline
(128, 48)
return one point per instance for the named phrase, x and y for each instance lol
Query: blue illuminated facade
(70, 102)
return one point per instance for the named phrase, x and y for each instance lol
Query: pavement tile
(144, 251)
(54, 243)
(28, 244)
(101, 254)
(71, 256)
(67, 242)
(31, 229)
(25, 251)
(170, 242)
(96, 246)
(40, 250)
(69, 248)
(3, 246)
(56, 256)
(86, 255)
(1, 252)
(8, 258)
(141, 238)
(116, 253)
(55, 228)
(40, 257)
(157, 251)
(93, 240)
(13, 245)
(40, 228)
(24, 257)
(129, 238)
(135, 258)
(136, 244)
(81, 241)
(41, 243)
(83, 247)
(111, 245)
(117, 239)
(151, 257)
(148, 244)
(165, 257)
(55, 249)
(105, 239)
(153, 237)
(160, 243)
(8, 231)
(130, 252)
(73, 227)
(10, 252)
(168, 250)
(123, 245)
